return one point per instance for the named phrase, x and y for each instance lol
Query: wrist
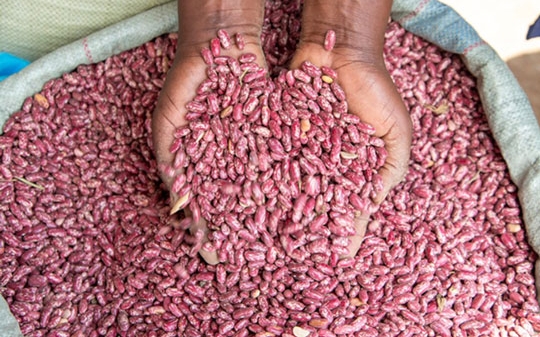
(199, 21)
(359, 25)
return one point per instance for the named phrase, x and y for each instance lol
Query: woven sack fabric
(32, 28)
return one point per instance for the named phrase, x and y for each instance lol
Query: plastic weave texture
(33, 28)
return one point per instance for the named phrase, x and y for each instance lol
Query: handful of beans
(273, 159)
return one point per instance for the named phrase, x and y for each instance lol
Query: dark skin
(357, 57)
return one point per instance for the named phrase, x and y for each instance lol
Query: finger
(162, 138)
(312, 52)
(210, 257)
(167, 117)
(360, 225)
(398, 145)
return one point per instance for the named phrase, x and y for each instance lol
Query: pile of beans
(84, 252)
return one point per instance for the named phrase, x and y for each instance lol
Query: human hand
(189, 71)
(358, 60)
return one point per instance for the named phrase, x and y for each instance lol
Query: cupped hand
(371, 95)
(186, 74)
